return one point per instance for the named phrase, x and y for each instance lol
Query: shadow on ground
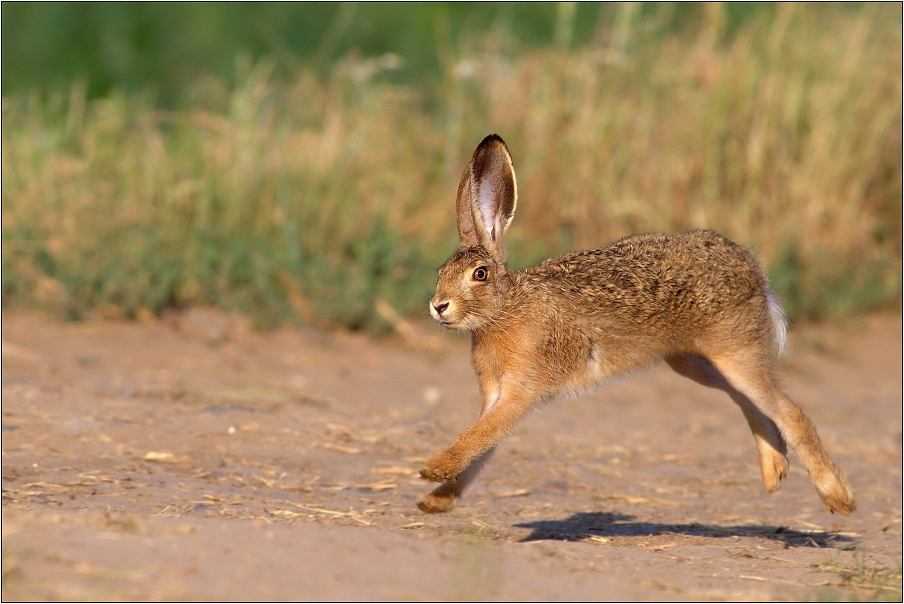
(582, 525)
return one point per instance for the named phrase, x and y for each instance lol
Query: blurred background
(298, 162)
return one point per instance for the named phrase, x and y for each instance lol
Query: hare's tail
(779, 321)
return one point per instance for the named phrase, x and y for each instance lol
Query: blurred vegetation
(317, 175)
(165, 47)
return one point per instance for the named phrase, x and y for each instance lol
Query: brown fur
(696, 300)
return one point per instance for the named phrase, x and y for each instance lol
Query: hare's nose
(439, 308)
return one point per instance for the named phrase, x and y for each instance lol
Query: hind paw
(774, 467)
(837, 496)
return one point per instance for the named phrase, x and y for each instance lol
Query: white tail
(779, 321)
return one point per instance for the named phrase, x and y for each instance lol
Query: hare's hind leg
(752, 374)
(770, 445)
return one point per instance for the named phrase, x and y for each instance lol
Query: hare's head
(473, 283)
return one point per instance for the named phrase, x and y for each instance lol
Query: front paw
(435, 504)
(443, 467)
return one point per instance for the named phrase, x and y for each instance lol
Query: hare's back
(649, 277)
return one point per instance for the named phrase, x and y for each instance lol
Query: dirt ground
(193, 458)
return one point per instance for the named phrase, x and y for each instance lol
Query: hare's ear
(464, 216)
(487, 196)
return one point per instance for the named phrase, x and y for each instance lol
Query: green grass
(862, 580)
(167, 46)
(307, 198)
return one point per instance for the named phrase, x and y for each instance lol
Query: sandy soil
(196, 459)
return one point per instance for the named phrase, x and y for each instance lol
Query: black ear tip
(492, 138)
(489, 144)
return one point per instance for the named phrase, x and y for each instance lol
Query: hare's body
(598, 313)
(696, 300)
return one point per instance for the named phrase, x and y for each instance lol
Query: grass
(309, 200)
(862, 576)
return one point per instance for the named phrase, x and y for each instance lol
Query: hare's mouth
(449, 322)
(445, 322)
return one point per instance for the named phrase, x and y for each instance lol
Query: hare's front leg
(443, 497)
(504, 408)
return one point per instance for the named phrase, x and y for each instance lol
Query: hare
(696, 300)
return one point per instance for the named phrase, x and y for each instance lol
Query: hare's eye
(480, 274)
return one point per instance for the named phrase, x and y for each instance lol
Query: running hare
(696, 300)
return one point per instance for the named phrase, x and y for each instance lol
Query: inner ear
(487, 196)
(494, 192)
